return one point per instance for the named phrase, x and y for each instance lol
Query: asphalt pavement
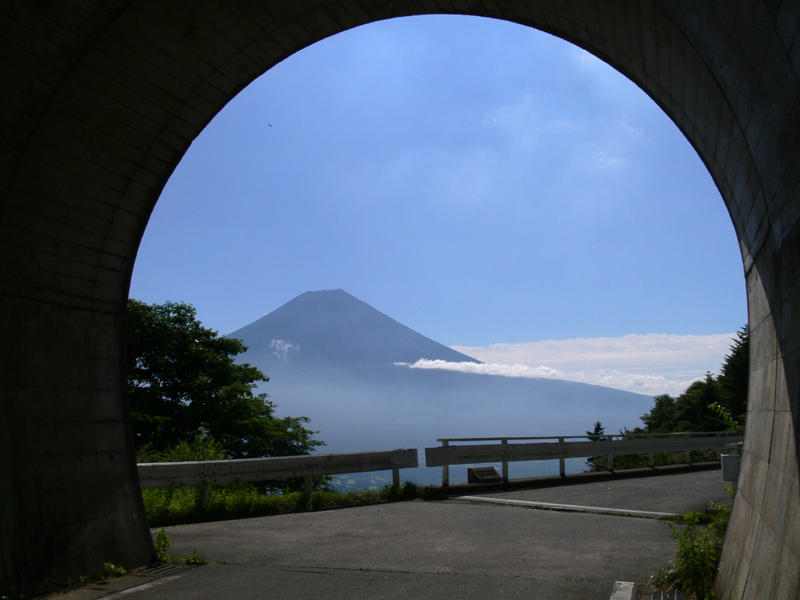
(458, 548)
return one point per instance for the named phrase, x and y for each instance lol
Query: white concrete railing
(447, 455)
(162, 475)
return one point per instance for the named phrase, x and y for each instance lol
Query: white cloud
(281, 348)
(650, 364)
(515, 370)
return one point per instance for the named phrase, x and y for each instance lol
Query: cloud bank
(650, 364)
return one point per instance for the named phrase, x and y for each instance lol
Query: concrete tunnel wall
(100, 100)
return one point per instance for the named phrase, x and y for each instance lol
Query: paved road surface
(442, 550)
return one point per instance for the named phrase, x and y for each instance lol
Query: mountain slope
(331, 357)
(334, 328)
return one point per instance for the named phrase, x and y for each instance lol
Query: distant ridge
(333, 327)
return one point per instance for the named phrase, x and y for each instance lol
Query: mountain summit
(331, 357)
(333, 327)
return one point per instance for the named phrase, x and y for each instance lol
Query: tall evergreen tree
(597, 463)
(735, 374)
(690, 411)
(692, 407)
(662, 418)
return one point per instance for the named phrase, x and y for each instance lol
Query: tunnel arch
(100, 102)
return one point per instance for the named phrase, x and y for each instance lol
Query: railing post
(719, 450)
(688, 454)
(610, 455)
(504, 442)
(396, 476)
(652, 456)
(204, 493)
(561, 466)
(445, 468)
(308, 484)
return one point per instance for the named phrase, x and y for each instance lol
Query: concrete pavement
(675, 493)
(446, 549)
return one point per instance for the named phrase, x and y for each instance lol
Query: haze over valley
(346, 366)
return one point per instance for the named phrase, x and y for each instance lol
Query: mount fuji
(344, 364)
(328, 328)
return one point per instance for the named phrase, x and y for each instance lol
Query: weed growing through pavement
(110, 570)
(161, 545)
(694, 570)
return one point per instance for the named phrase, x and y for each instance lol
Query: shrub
(696, 564)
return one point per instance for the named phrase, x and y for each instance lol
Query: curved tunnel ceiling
(101, 101)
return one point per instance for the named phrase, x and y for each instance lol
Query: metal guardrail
(504, 452)
(162, 475)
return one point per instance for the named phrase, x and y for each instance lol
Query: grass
(196, 504)
(176, 506)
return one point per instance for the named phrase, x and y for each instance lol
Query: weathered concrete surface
(98, 102)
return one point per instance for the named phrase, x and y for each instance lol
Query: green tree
(597, 463)
(693, 412)
(698, 407)
(183, 382)
(734, 376)
(688, 412)
(598, 434)
(662, 418)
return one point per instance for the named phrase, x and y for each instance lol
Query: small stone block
(483, 475)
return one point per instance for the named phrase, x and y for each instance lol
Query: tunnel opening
(99, 119)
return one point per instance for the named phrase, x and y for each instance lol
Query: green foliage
(174, 506)
(688, 412)
(692, 406)
(663, 417)
(696, 564)
(735, 374)
(206, 448)
(709, 404)
(161, 545)
(410, 490)
(694, 409)
(183, 381)
(406, 491)
(598, 433)
(198, 448)
(109, 570)
(597, 463)
(730, 423)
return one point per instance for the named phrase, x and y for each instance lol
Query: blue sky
(488, 185)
